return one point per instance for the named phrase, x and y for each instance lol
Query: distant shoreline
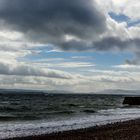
(128, 130)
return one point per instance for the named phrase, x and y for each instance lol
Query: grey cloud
(115, 43)
(129, 45)
(48, 21)
(26, 70)
(51, 20)
(132, 62)
(105, 44)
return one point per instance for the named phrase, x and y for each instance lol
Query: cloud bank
(52, 20)
(27, 70)
(71, 25)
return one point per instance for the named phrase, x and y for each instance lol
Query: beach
(73, 117)
(128, 130)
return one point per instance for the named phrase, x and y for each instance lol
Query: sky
(76, 45)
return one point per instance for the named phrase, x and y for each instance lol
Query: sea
(34, 114)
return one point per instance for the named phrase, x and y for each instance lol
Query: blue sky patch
(119, 17)
(100, 60)
(123, 18)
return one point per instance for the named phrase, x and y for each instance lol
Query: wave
(13, 109)
(12, 118)
(89, 111)
(72, 105)
(63, 112)
(43, 127)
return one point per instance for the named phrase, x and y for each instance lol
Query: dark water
(33, 114)
(51, 106)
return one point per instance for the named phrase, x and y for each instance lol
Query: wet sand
(129, 130)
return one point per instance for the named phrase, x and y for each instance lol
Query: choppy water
(28, 114)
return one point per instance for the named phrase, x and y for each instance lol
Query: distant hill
(121, 92)
(26, 91)
(110, 91)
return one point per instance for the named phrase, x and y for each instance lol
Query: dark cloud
(51, 20)
(115, 43)
(105, 44)
(112, 44)
(132, 62)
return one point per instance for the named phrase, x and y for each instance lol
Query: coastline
(127, 130)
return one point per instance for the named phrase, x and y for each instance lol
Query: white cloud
(127, 66)
(74, 64)
(19, 69)
(51, 79)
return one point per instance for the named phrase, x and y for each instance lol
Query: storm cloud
(70, 25)
(52, 20)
